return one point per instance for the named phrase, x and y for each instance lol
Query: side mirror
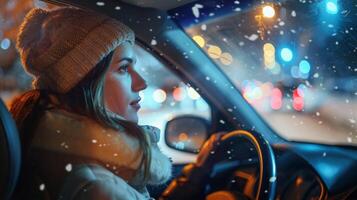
(186, 133)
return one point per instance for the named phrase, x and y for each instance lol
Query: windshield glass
(294, 62)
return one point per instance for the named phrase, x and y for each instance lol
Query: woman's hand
(206, 157)
(191, 183)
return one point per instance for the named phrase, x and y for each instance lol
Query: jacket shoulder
(90, 181)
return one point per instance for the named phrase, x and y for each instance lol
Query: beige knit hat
(59, 47)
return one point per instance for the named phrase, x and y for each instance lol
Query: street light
(331, 7)
(268, 11)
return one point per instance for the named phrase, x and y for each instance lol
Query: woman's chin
(161, 167)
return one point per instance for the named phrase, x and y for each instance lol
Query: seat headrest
(10, 153)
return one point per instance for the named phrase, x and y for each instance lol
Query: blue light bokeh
(286, 54)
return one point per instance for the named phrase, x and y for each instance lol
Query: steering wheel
(235, 150)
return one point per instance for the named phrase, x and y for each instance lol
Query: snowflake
(100, 3)
(195, 10)
(42, 187)
(153, 42)
(252, 37)
(68, 167)
(203, 27)
(293, 13)
(272, 179)
(349, 139)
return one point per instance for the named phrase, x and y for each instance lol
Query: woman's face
(122, 83)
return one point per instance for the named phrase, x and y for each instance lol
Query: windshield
(294, 62)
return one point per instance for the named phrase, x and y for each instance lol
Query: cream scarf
(67, 133)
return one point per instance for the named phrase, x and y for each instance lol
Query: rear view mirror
(186, 133)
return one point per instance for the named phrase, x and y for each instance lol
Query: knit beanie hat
(60, 47)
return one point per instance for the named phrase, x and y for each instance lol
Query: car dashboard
(304, 171)
(314, 171)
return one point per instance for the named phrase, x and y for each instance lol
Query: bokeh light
(5, 44)
(226, 58)
(331, 7)
(183, 136)
(304, 67)
(276, 99)
(159, 95)
(269, 55)
(179, 94)
(268, 11)
(214, 52)
(295, 72)
(298, 101)
(193, 94)
(199, 40)
(286, 54)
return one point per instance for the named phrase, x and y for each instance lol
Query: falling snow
(42, 187)
(293, 13)
(153, 42)
(203, 27)
(195, 10)
(68, 167)
(272, 179)
(100, 3)
(349, 139)
(252, 37)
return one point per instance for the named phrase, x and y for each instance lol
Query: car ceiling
(162, 5)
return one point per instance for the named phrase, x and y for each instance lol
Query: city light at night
(331, 7)
(286, 54)
(159, 96)
(268, 11)
(5, 44)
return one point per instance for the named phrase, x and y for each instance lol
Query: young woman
(78, 126)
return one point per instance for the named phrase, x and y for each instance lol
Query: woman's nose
(138, 83)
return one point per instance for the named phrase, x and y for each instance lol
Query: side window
(166, 96)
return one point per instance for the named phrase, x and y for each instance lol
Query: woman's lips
(135, 104)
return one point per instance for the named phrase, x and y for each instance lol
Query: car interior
(254, 160)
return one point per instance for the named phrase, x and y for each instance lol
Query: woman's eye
(123, 69)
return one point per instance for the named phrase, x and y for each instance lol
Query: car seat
(10, 153)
